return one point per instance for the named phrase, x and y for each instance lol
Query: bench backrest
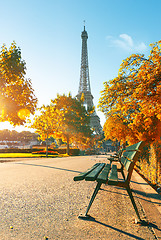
(137, 146)
(129, 158)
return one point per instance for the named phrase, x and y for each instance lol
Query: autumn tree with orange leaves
(131, 102)
(44, 123)
(65, 118)
(17, 98)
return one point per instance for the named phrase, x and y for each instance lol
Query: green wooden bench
(116, 157)
(127, 153)
(108, 174)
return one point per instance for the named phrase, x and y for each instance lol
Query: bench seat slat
(103, 176)
(93, 174)
(113, 159)
(82, 175)
(113, 177)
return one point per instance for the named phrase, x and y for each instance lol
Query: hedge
(15, 150)
(72, 152)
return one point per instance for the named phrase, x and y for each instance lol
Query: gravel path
(40, 200)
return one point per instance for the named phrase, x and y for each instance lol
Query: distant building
(110, 146)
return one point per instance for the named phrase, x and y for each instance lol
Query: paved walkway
(40, 200)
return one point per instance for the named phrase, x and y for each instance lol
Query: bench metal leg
(122, 173)
(91, 201)
(133, 203)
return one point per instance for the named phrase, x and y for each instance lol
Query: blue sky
(49, 35)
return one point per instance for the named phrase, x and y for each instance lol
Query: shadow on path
(151, 195)
(37, 165)
(154, 196)
(117, 229)
(138, 182)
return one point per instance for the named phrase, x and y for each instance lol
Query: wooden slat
(82, 175)
(115, 156)
(129, 155)
(136, 146)
(113, 159)
(103, 176)
(113, 177)
(93, 174)
(126, 163)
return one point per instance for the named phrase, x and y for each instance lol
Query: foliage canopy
(65, 118)
(131, 102)
(17, 99)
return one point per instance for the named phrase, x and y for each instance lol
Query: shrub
(56, 151)
(15, 150)
(150, 163)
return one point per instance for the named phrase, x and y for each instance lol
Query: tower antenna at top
(84, 24)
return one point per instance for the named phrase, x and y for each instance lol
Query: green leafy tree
(17, 98)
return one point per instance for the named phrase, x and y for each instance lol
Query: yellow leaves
(147, 122)
(65, 118)
(115, 128)
(135, 95)
(16, 91)
(82, 97)
(159, 116)
(23, 113)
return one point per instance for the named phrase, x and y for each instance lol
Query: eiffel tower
(84, 85)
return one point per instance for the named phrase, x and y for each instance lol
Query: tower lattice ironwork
(84, 85)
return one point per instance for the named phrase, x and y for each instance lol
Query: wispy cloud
(126, 42)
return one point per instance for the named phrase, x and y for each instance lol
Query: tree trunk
(47, 146)
(67, 144)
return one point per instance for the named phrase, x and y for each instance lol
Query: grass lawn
(28, 155)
